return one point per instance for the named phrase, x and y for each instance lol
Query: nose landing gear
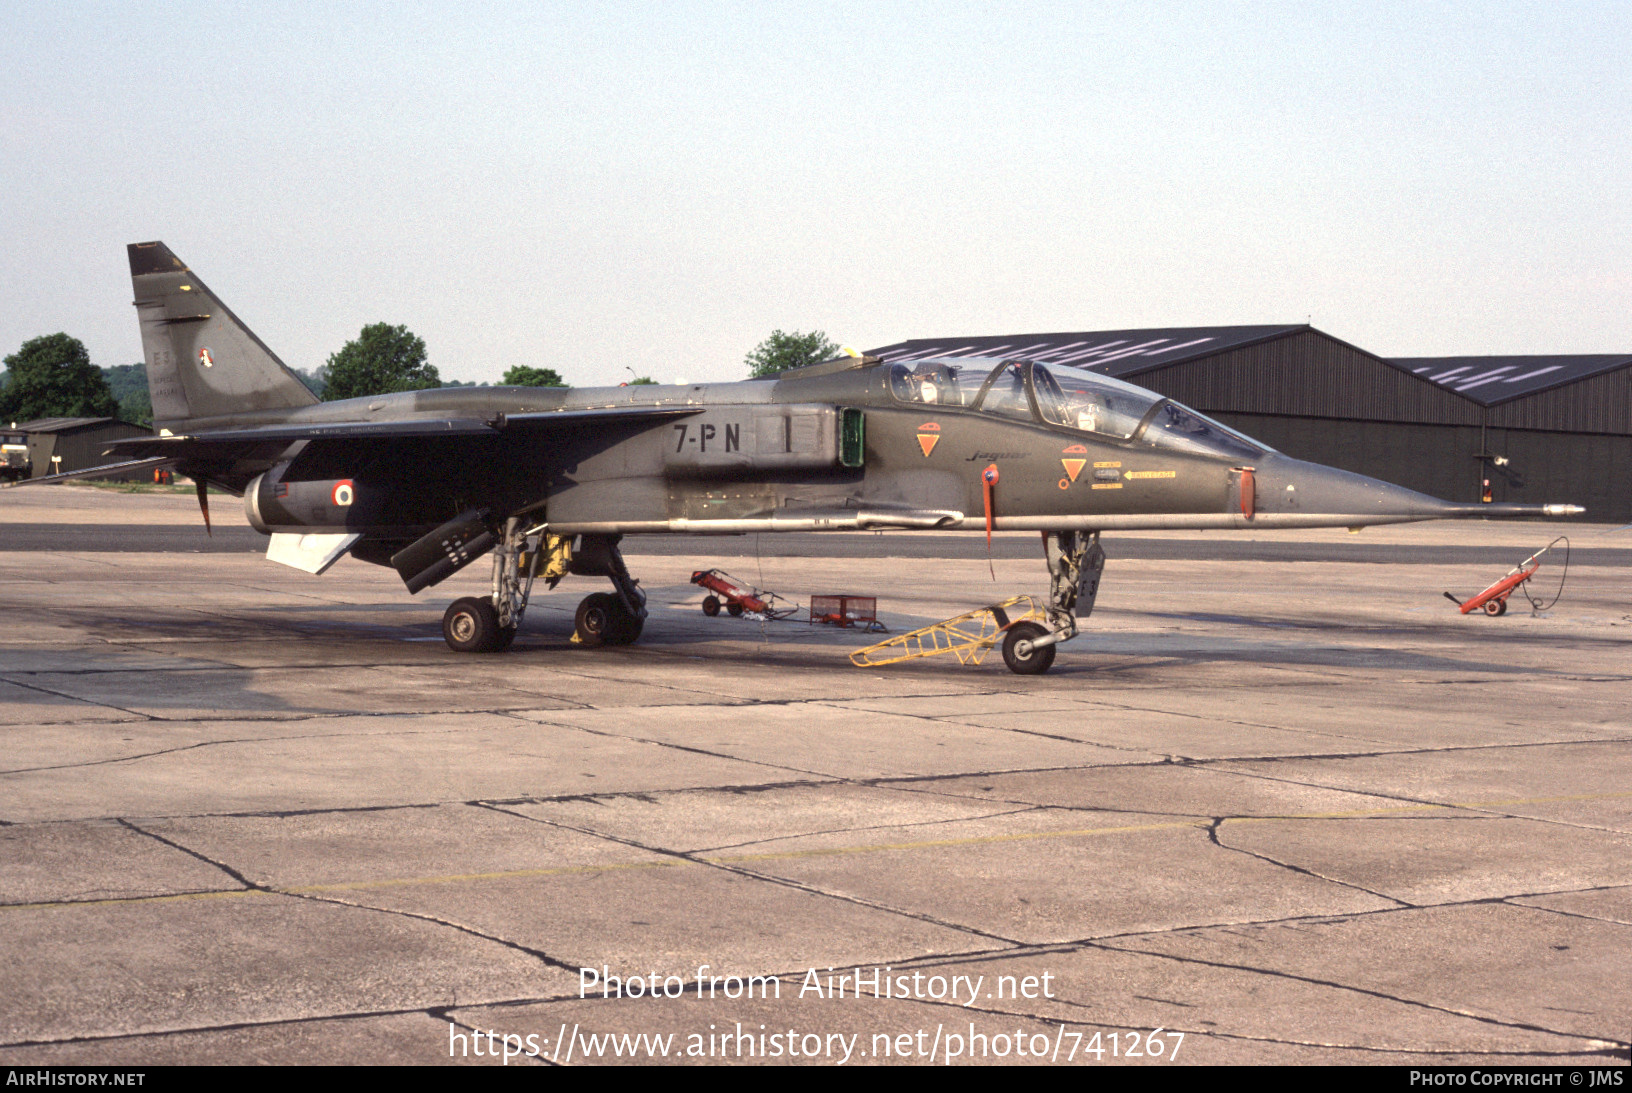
(1076, 562)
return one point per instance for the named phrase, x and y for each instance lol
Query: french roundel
(342, 493)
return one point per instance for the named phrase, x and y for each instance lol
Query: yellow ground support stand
(969, 636)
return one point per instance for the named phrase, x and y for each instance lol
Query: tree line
(52, 376)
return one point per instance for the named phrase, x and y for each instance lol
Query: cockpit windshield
(1070, 398)
(1176, 426)
(1094, 403)
(1089, 401)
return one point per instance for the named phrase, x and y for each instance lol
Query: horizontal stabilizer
(311, 553)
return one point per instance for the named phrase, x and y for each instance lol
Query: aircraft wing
(222, 441)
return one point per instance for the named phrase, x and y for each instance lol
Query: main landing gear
(1075, 563)
(524, 553)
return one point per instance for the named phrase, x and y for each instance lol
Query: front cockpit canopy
(1067, 399)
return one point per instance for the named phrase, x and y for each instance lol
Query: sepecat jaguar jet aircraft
(548, 480)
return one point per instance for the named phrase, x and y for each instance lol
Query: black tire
(603, 620)
(626, 628)
(471, 625)
(734, 609)
(1037, 661)
(1495, 607)
(711, 606)
(597, 618)
(502, 640)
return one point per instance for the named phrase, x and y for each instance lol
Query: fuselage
(849, 444)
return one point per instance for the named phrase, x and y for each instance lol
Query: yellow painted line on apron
(458, 878)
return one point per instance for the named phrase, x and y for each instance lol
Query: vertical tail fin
(201, 361)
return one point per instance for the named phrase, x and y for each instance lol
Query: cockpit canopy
(1067, 399)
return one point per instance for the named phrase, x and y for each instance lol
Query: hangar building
(60, 444)
(1540, 429)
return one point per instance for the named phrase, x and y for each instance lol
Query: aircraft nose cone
(1291, 486)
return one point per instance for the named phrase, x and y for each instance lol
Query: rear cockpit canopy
(1066, 399)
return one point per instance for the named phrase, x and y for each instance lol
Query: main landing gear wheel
(1495, 607)
(1036, 661)
(603, 620)
(471, 625)
(711, 606)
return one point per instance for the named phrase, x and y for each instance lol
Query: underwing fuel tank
(272, 505)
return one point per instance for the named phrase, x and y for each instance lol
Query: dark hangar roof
(1113, 352)
(1490, 380)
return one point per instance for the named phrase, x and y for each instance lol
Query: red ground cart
(739, 597)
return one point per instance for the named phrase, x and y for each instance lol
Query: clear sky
(656, 186)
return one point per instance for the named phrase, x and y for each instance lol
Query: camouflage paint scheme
(847, 444)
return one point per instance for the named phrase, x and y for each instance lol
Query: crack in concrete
(270, 889)
(232, 740)
(997, 728)
(1368, 991)
(102, 901)
(653, 794)
(1595, 1045)
(538, 954)
(1509, 900)
(1473, 808)
(1213, 837)
(226, 1026)
(75, 698)
(172, 844)
(684, 748)
(739, 870)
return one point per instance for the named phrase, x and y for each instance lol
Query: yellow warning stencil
(1107, 485)
(1150, 474)
(1099, 466)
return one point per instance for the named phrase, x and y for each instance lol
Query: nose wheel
(1021, 655)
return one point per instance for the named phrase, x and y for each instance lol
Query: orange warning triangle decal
(927, 442)
(1073, 467)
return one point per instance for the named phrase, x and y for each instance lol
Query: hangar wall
(1596, 404)
(1315, 397)
(1588, 469)
(79, 442)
